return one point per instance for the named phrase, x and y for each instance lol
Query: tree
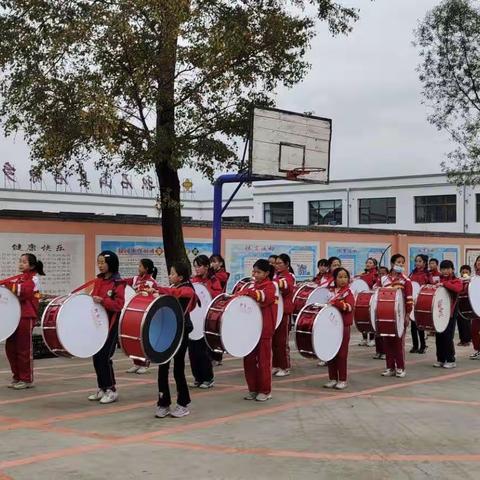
(142, 83)
(449, 38)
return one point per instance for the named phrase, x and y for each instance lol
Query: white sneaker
(330, 384)
(275, 370)
(321, 363)
(341, 386)
(282, 373)
(12, 384)
(133, 369)
(475, 355)
(438, 365)
(250, 396)
(141, 370)
(206, 385)
(263, 397)
(389, 372)
(109, 397)
(179, 412)
(95, 397)
(162, 412)
(22, 385)
(400, 373)
(363, 343)
(449, 365)
(371, 343)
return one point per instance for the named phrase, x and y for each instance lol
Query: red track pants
(19, 350)
(258, 367)
(337, 368)
(476, 333)
(280, 347)
(395, 352)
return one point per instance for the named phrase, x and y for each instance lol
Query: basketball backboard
(289, 145)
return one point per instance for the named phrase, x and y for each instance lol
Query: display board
(471, 254)
(63, 257)
(440, 252)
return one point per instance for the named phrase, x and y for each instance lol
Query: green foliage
(449, 38)
(146, 82)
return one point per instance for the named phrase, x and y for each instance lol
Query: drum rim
(438, 289)
(58, 312)
(242, 280)
(327, 305)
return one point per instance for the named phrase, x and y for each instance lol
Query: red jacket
(222, 276)
(454, 286)
(27, 289)
(434, 277)
(140, 283)
(181, 291)
(422, 277)
(112, 292)
(324, 280)
(211, 283)
(286, 284)
(370, 277)
(265, 294)
(344, 301)
(400, 281)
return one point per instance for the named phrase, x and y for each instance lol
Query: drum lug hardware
(130, 337)
(135, 310)
(304, 331)
(213, 333)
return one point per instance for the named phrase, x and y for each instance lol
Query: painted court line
(444, 401)
(259, 412)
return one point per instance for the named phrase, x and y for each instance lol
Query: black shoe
(423, 350)
(414, 350)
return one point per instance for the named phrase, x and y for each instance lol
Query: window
(280, 213)
(236, 219)
(436, 209)
(325, 212)
(377, 210)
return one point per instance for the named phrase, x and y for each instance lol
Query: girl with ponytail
(18, 346)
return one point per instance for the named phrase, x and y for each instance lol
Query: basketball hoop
(297, 173)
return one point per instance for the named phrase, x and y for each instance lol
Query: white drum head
(82, 326)
(441, 308)
(241, 327)
(9, 313)
(415, 291)
(373, 310)
(320, 295)
(197, 316)
(327, 333)
(129, 294)
(400, 312)
(279, 306)
(474, 294)
(358, 285)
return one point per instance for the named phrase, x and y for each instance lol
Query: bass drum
(474, 294)
(198, 314)
(10, 313)
(241, 284)
(358, 286)
(364, 312)
(74, 326)
(390, 312)
(464, 305)
(319, 332)
(415, 291)
(151, 328)
(233, 325)
(432, 309)
(308, 294)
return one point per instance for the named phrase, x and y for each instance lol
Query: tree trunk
(166, 169)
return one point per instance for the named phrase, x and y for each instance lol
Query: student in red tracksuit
(217, 263)
(444, 341)
(322, 266)
(344, 300)
(475, 329)
(395, 346)
(464, 324)
(420, 275)
(147, 273)
(198, 351)
(109, 291)
(18, 346)
(434, 273)
(258, 363)
(370, 277)
(182, 289)
(280, 346)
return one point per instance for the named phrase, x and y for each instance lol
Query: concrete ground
(426, 425)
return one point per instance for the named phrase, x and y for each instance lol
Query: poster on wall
(242, 254)
(131, 250)
(471, 254)
(440, 252)
(354, 255)
(63, 257)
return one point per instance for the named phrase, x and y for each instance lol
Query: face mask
(398, 268)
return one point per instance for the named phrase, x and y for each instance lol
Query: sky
(367, 84)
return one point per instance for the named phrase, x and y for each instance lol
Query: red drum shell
(49, 327)
(304, 330)
(424, 308)
(241, 284)
(361, 312)
(386, 314)
(464, 306)
(213, 322)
